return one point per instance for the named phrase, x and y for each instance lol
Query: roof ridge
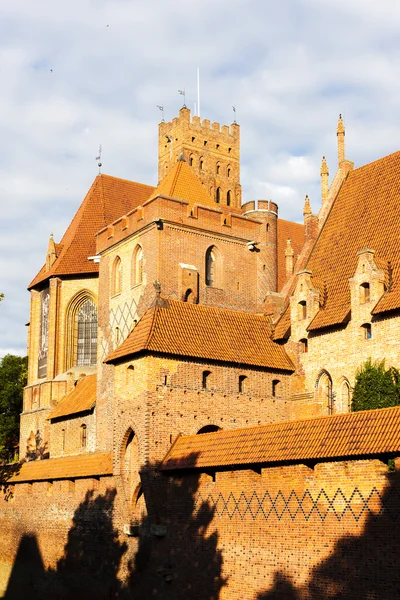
(175, 179)
(153, 324)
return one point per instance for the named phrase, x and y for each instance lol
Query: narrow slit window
(206, 379)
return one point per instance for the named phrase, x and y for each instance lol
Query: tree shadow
(366, 567)
(178, 557)
(175, 556)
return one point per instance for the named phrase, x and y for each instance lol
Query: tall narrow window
(206, 379)
(218, 168)
(44, 333)
(228, 198)
(228, 171)
(63, 440)
(137, 266)
(87, 334)
(83, 436)
(218, 195)
(304, 345)
(116, 276)
(191, 160)
(302, 310)
(210, 266)
(364, 292)
(325, 392)
(367, 331)
(276, 388)
(242, 384)
(346, 397)
(201, 163)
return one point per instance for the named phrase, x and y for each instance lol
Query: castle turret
(340, 132)
(211, 150)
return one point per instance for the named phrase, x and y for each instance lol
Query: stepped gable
(81, 399)
(68, 467)
(198, 331)
(364, 214)
(294, 232)
(108, 198)
(182, 183)
(366, 433)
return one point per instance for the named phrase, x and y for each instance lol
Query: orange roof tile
(353, 434)
(68, 467)
(195, 330)
(181, 182)
(364, 214)
(108, 198)
(81, 399)
(294, 232)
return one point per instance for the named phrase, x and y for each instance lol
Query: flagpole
(198, 92)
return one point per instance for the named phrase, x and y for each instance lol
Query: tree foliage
(376, 386)
(13, 377)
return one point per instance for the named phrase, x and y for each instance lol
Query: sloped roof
(181, 182)
(81, 399)
(108, 198)
(369, 432)
(68, 467)
(195, 330)
(365, 214)
(294, 232)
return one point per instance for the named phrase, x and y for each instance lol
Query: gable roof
(68, 467)
(108, 198)
(208, 332)
(365, 214)
(294, 232)
(181, 182)
(364, 433)
(81, 399)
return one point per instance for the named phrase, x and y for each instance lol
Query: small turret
(289, 256)
(310, 221)
(51, 255)
(340, 132)
(324, 179)
(307, 207)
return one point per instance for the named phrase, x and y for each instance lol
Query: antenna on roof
(98, 158)
(183, 93)
(161, 107)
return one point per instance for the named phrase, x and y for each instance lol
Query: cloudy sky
(77, 74)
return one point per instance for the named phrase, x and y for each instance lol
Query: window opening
(117, 267)
(365, 292)
(302, 309)
(242, 384)
(83, 436)
(208, 429)
(138, 266)
(218, 168)
(206, 380)
(210, 267)
(228, 198)
(367, 331)
(304, 343)
(87, 334)
(218, 195)
(44, 333)
(276, 388)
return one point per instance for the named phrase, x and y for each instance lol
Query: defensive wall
(313, 530)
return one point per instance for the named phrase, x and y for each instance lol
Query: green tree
(376, 386)
(13, 376)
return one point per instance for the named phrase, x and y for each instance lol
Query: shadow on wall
(176, 556)
(363, 568)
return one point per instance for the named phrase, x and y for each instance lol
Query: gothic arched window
(86, 350)
(228, 198)
(137, 266)
(116, 276)
(218, 195)
(211, 266)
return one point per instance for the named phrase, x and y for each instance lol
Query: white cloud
(93, 72)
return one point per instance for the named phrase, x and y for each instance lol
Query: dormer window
(367, 331)
(364, 292)
(302, 310)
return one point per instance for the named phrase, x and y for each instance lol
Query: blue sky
(78, 74)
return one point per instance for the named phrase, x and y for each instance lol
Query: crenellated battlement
(158, 211)
(212, 150)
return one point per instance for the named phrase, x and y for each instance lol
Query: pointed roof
(286, 230)
(181, 182)
(194, 330)
(108, 198)
(365, 213)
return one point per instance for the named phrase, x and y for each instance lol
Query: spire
(340, 132)
(324, 179)
(289, 256)
(51, 255)
(307, 207)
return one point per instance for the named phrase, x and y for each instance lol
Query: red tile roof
(364, 214)
(181, 182)
(195, 330)
(294, 232)
(81, 399)
(108, 198)
(68, 467)
(369, 433)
